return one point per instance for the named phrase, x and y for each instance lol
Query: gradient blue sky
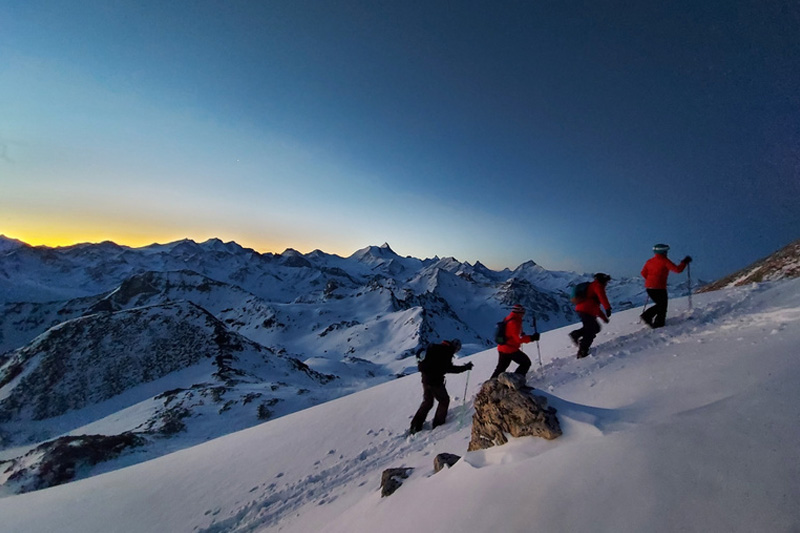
(576, 134)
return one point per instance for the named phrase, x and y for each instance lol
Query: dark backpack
(500, 336)
(421, 364)
(424, 359)
(579, 292)
(435, 359)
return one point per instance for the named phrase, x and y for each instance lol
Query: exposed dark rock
(91, 359)
(444, 460)
(263, 412)
(60, 459)
(392, 478)
(506, 406)
(134, 286)
(520, 291)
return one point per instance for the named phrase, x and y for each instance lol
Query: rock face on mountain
(783, 264)
(56, 462)
(506, 406)
(122, 356)
(91, 359)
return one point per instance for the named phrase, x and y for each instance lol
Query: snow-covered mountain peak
(7, 244)
(528, 267)
(217, 245)
(383, 252)
(292, 258)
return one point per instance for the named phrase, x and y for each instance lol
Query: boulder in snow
(392, 478)
(506, 406)
(444, 460)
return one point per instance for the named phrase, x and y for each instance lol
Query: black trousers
(657, 313)
(585, 336)
(429, 394)
(504, 360)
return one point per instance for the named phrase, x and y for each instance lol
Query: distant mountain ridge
(42, 274)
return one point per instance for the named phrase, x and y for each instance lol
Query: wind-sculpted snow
(272, 500)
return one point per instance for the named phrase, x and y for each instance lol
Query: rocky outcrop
(392, 479)
(88, 360)
(506, 406)
(783, 264)
(61, 460)
(444, 460)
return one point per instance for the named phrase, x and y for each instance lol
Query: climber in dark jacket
(437, 362)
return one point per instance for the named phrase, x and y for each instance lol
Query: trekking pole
(646, 299)
(689, 274)
(538, 349)
(464, 402)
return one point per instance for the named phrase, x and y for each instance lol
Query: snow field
(692, 427)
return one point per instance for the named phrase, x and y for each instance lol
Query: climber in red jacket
(510, 350)
(588, 309)
(655, 273)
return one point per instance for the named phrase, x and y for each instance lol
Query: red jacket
(595, 295)
(514, 336)
(656, 270)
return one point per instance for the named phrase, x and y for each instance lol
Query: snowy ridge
(87, 361)
(699, 417)
(783, 264)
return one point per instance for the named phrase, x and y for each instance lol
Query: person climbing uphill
(437, 361)
(514, 338)
(588, 309)
(655, 273)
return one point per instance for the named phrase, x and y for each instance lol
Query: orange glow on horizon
(136, 239)
(83, 226)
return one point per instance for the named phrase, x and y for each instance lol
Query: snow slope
(693, 427)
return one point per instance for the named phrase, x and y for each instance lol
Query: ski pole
(689, 274)
(538, 349)
(464, 402)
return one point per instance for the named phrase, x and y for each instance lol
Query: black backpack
(434, 359)
(500, 336)
(579, 292)
(421, 364)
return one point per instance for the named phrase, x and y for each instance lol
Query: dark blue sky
(574, 134)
